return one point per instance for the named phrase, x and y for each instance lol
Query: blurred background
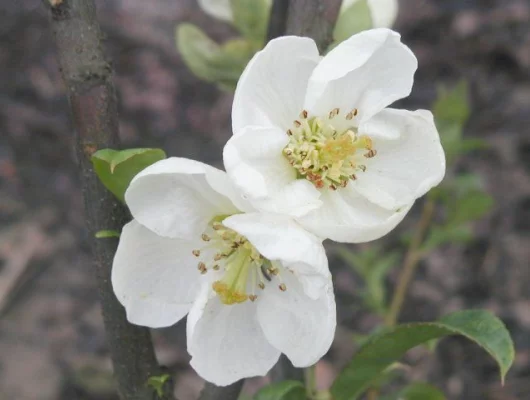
(52, 343)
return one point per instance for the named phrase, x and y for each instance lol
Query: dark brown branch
(212, 392)
(277, 19)
(285, 371)
(313, 18)
(88, 79)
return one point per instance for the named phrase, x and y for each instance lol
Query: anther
(218, 256)
(333, 113)
(202, 268)
(319, 184)
(303, 114)
(371, 153)
(351, 114)
(216, 267)
(353, 177)
(333, 187)
(289, 132)
(297, 123)
(196, 253)
(217, 225)
(288, 152)
(252, 297)
(205, 237)
(282, 287)
(362, 167)
(261, 285)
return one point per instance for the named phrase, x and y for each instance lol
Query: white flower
(383, 12)
(253, 285)
(313, 137)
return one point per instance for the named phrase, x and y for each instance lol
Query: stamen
(196, 253)
(371, 153)
(202, 268)
(326, 156)
(205, 237)
(282, 287)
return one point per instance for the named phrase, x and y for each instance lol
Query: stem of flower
(410, 263)
(311, 381)
(372, 394)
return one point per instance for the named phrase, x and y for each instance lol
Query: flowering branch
(88, 79)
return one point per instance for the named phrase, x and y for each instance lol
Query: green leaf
(354, 19)
(107, 234)
(157, 383)
(390, 345)
(208, 60)
(251, 18)
(469, 207)
(440, 235)
(115, 168)
(451, 111)
(417, 391)
(372, 265)
(286, 390)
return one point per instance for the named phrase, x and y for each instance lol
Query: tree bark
(313, 18)
(88, 79)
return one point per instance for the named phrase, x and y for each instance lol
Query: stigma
(240, 268)
(324, 155)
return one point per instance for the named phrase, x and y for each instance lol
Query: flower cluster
(316, 153)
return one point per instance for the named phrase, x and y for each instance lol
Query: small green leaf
(115, 168)
(417, 391)
(286, 390)
(451, 111)
(440, 235)
(251, 18)
(372, 265)
(208, 60)
(470, 207)
(390, 345)
(354, 19)
(107, 234)
(157, 383)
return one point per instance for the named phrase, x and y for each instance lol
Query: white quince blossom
(314, 139)
(254, 285)
(383, 12)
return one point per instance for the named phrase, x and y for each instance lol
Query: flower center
(325, 156)
(241, 265)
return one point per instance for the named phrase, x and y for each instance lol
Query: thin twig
(88, 79)
(410, 263)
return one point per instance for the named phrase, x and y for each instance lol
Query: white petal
(153, 277)
(405, 167)
(177, 197)
(220, 9)
(368, 71)
(272, 88)
(226, 342)
(279, 238)
(347, 216)
(255, 163)
(300, 327)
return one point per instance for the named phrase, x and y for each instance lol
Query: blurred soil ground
(52, 344)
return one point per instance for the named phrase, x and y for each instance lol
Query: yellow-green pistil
(323, 155)
(232, 254)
